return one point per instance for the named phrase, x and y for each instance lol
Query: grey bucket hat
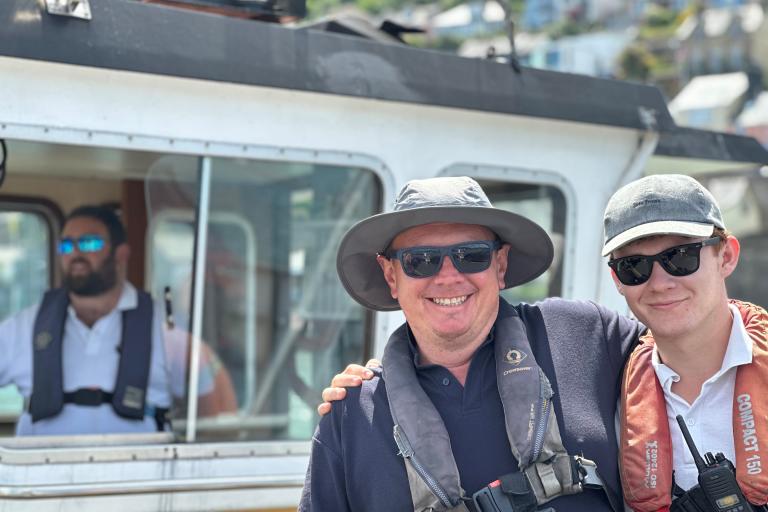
(436, 200)
(664, 204)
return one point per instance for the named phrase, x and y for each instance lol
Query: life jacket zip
(543, 417)
(406, 451)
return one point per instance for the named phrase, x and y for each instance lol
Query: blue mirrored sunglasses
(86, 243)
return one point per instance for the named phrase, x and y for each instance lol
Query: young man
(705, 357)
(473, 389)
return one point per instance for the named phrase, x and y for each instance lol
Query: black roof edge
(148, 38)
(353, 26)
(695, 143)
(134, 36)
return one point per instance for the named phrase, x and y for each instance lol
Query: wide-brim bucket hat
(458, 200)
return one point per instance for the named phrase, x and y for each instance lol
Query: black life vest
(128, 398)
(547, 470)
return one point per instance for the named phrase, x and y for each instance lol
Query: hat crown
(441, 192)
(659, 204)
(452, 200)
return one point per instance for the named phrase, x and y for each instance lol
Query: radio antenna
(689, 441)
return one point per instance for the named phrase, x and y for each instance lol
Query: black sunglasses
(678, 261)
(467, 257)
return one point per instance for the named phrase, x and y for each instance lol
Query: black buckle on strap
(510, 493)
(88, 397)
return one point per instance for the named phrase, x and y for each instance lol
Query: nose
(660, 279)
(448, 271)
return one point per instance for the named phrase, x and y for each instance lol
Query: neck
(697, 356)
(90, 309)
(455, 356)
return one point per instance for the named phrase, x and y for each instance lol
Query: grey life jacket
(531, 425)
(129, 395)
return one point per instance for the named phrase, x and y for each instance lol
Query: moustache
(80, 259)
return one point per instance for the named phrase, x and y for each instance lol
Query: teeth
(452, 301)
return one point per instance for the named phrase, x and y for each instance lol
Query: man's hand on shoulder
(352, 376)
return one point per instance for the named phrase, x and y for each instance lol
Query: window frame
(366, 163)
(54, 221)
(516, 175)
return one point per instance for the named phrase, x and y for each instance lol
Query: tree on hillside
(635, 63)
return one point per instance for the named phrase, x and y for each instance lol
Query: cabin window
(544, 204)
(276, 322)
(26, 241)
(743, 196)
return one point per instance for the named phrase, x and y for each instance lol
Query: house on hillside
(468, 20)
(718, 40)
(711, 101)
(593, 54)
(753, 120)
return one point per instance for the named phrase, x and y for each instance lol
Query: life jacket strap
(540, 483)
(94, 397)
(88, 397)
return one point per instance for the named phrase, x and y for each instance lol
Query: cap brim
(530, 254)
(667, 227)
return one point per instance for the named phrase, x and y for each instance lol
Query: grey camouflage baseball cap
(664, 204)
(458, 200)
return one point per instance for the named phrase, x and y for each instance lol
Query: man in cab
(93, 356)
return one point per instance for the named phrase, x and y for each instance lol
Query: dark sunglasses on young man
(678, 261)
(425, 261)
(86, 243)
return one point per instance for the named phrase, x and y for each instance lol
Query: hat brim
(666, 227)
(530, 254)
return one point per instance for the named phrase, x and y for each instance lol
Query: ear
(122, 253)
(729, 256)
(388, 269)
(502, 261)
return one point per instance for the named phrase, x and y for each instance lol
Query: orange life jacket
(646, 447)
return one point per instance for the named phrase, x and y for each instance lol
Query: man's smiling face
(671, 306)
(450, 308)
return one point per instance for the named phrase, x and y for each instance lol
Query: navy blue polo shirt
(473, 416)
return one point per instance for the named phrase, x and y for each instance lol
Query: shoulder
(569, 308)
(363, 399)
(361, 407)
(24, 318)
(559, 308)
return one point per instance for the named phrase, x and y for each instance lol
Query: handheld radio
(717, 478)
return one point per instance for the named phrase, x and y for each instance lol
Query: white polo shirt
(710, 417)
(90, 359)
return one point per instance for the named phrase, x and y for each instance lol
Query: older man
(473, 390)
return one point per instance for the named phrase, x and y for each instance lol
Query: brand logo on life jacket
(514, 356)
(651, 463)
(749, 434)
(42, 340)
(133, 398)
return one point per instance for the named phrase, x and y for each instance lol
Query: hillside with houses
(709, 57)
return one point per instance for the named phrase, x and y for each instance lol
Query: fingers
(343, 380)
(358, 371)
(324, 408)
(353, 376)
(333, 394)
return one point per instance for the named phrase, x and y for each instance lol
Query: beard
(93, 283)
